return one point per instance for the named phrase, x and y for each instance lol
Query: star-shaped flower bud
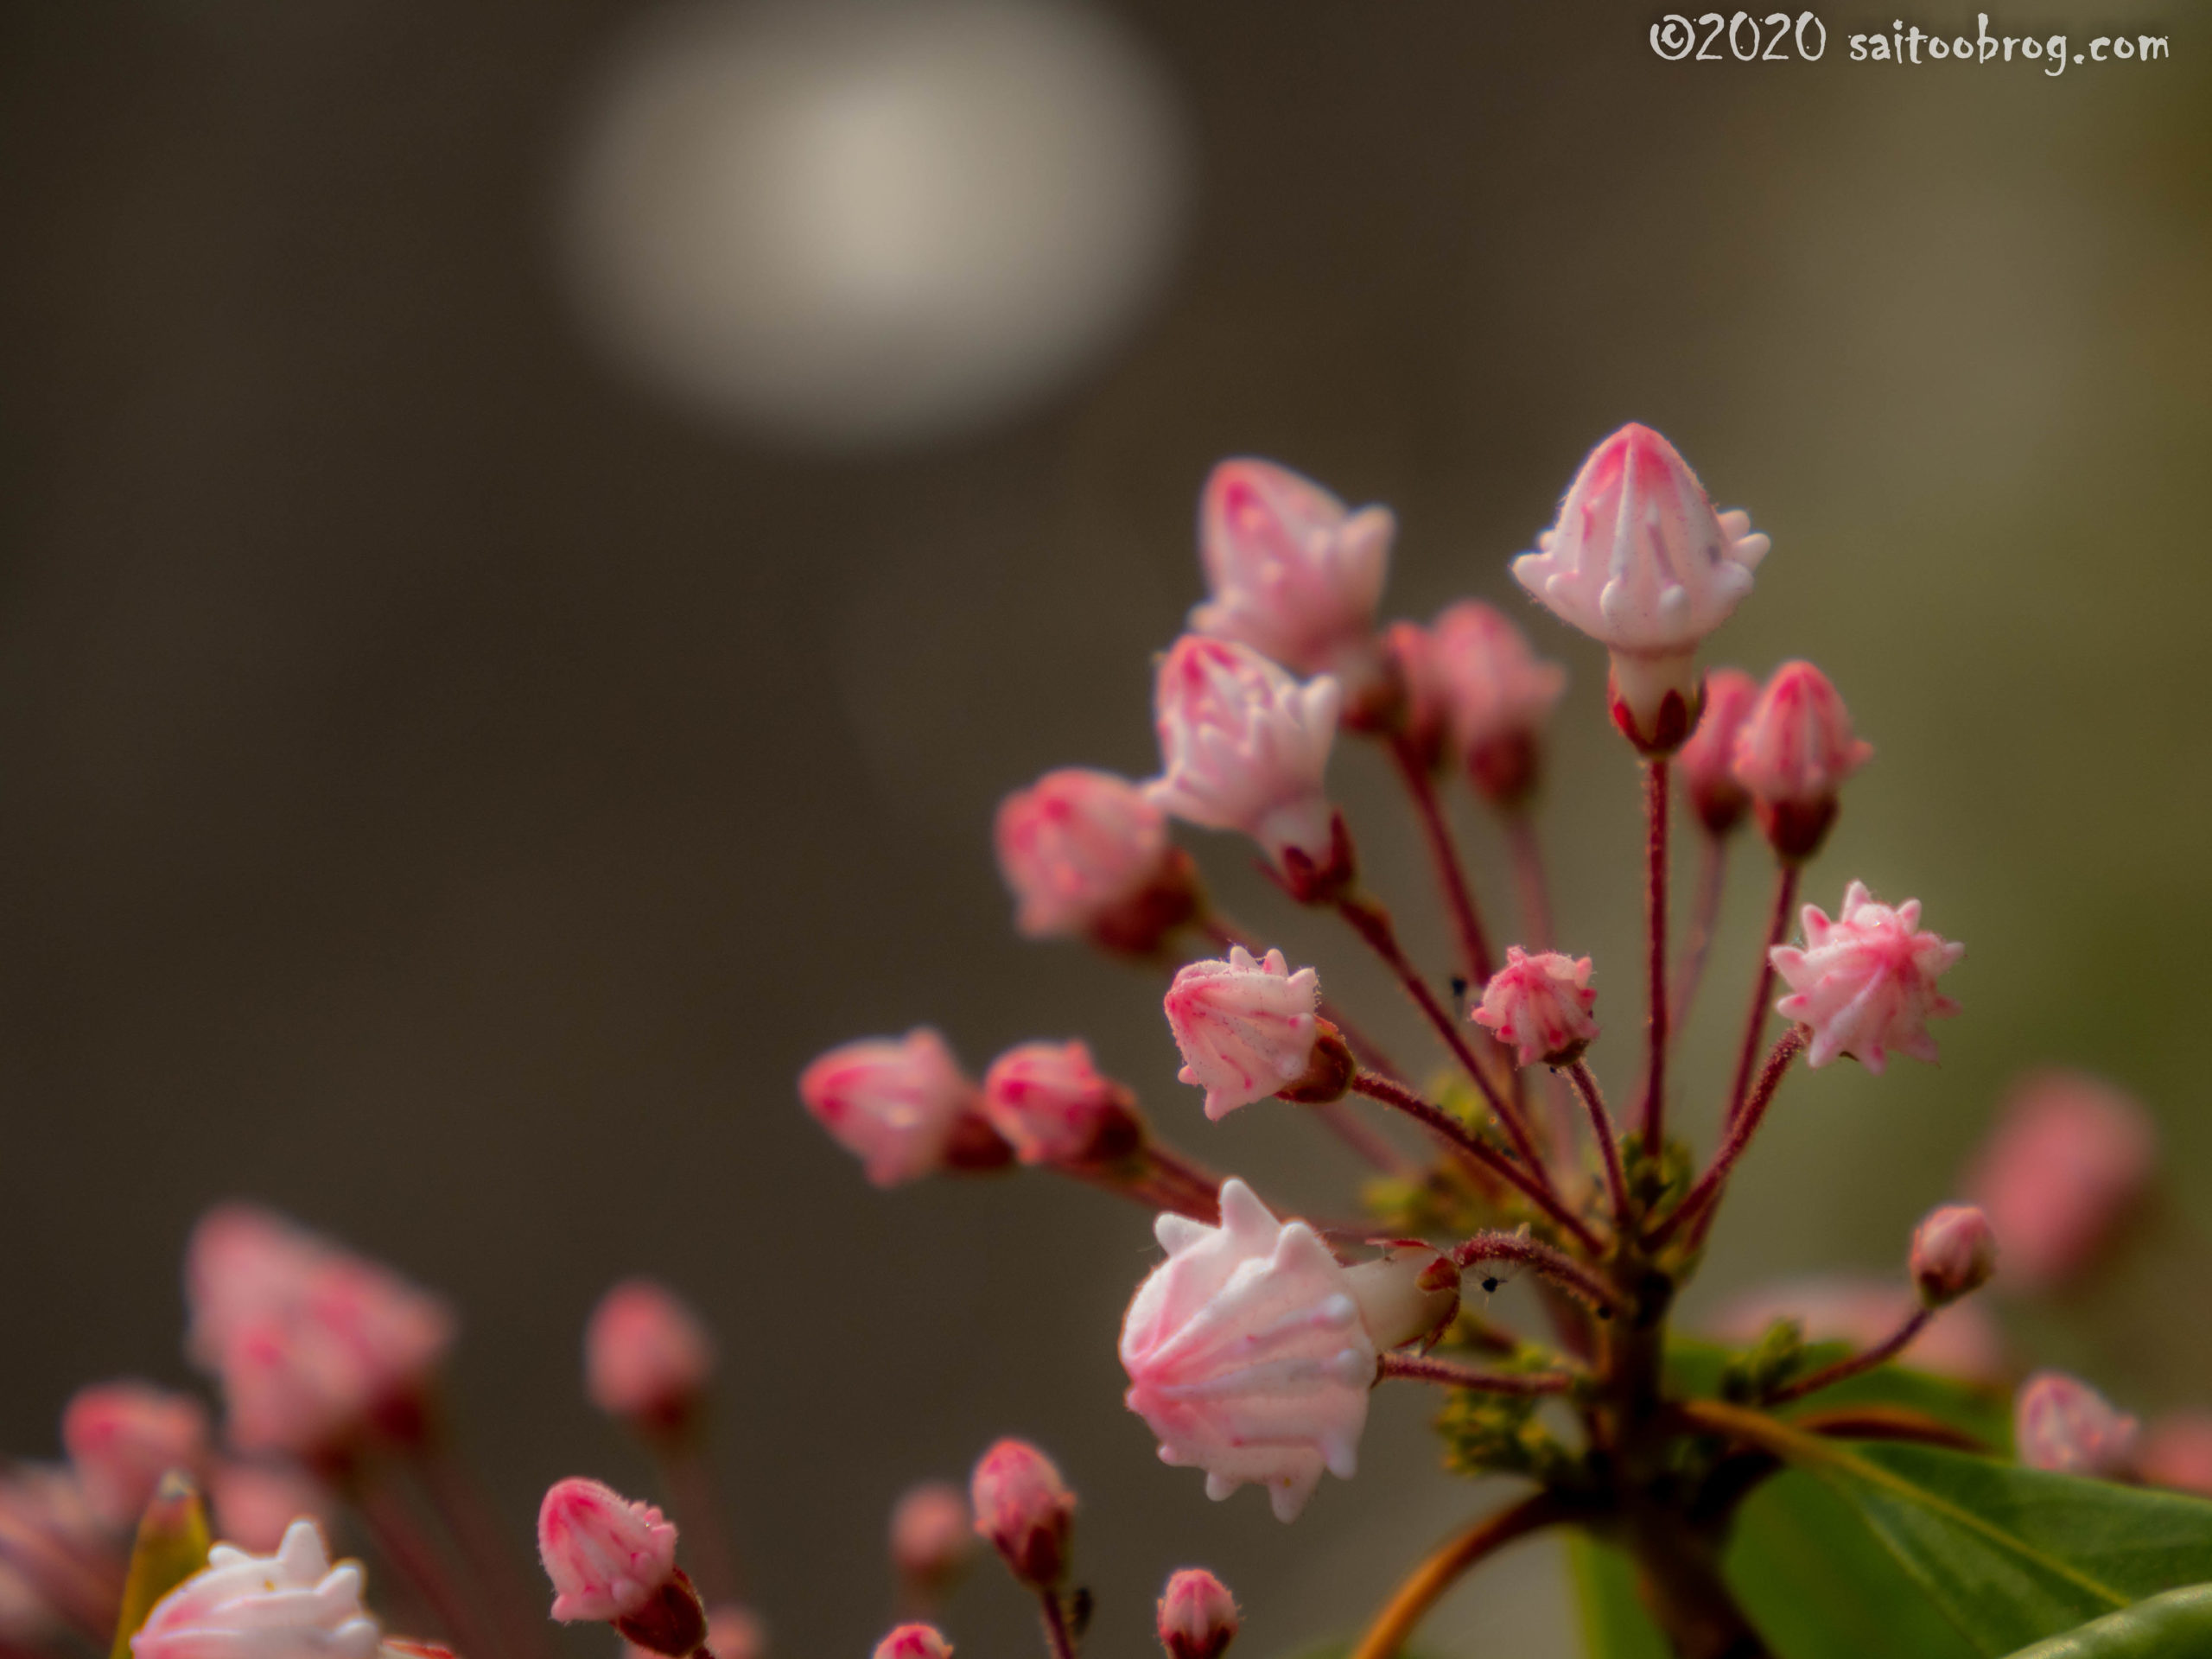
(1540, 1005)
(1864, 984)
(1085, 853)
(1640, 562)
(610, 1559)
(2060, 1423)
(1247, 1029)
(293, 1604)
(1792, 755)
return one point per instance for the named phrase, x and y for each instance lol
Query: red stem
(1711, 878)
(1853, 1365)
(1707, 1190)
(1785, 895)
(1551, 1262)
(1475, 959)
(405, 1546)
(1530, 885)
(1655, 928)
(1601, 1125)
(1421, 1367)
(1058, 1635)
(1460, 1138)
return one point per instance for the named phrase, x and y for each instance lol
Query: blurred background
(533, 535)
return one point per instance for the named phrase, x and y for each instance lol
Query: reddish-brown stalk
(1609, 1151)
(1707, 1190)
(1853, 1365)
(1422, 1367)
(1785, 895)
(1475, 959)
(1655, 928)
(1419, 1593)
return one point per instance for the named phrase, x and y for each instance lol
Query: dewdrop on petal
(293, 1604)
(1243, 747)
(123, 1436)
(1085, 853)
(1706, 763)
(1251, 1353)
(2061, 1424)
(1954, 1253)
(1026, 1511)
(1247, 1029)
(1793, 752)
(647, 1356)
(1291, 573)
(1864, 984)
(1197, 1615)
(1640, 562)
(1540, 1006)
(899, 1104)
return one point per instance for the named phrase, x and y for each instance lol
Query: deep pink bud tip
(1025, 1510)
(1197, 1615)
(607, 1557)
(914, 1642)
(645, 1354)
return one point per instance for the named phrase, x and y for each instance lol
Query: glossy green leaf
(1614, 1623)
(2176, 1625)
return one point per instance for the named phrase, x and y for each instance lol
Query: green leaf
(1614, 1623)
(1695, 1371)
(2171, 1626)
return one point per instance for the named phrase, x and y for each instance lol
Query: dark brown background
(449, 794)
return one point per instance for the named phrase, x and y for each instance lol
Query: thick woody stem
(1412, 1598)
(1552, 1263)
(1530, 886)
(1655, 928)
(1601, 1125)
(1704, 916)
(1853, 1365)
(1785, 895)
(1421, 1367)
(1475, 959)
(1372, 923)
(1707, 1190)
(1461, 1139)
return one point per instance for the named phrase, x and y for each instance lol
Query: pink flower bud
(1845, 1307)
(647, 1356)
(2067, 1163)
(912, 1642)
(1247, 1354)
(895, 1102)
(2177, 1452)
(1499, 695)
(608, 1558)
(1541, 1004)
(1085, 853)
(1197, 1615)
(294, 1605)
(932, 1537)
(2060, 1423)
(255, 1504)
(314, 1345)
(1050, 1103)
(1243, 747)
(1247, 1029)
(124, 1437)
(1954, 1253)
(1865, 983)
(1793, 754)
(735, 1632)
(1640, 562)
(1425, 696)
(1025, 1510)
(1292, 575)
(1707, 762)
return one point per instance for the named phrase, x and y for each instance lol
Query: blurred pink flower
(2068, 1161)
(1540, 1005)
(894, 1103)
(2177, 1452)
(910, 1642)
(1962, 1342)
(1025, 1510)
(293, 1604)
(1499, 692)
(1197, 1615)
(255, 1503)
(1049, 1102)
(932, 1535)
(2060, 1423)
(1707, 762)
(1864, 984)
(646, 1355)
(1247, 1029)
(123, 1436)
(607, 1557)
(1076, 846)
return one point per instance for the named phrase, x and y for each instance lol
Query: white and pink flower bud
(2066, 1166)
(1706, 763)
(1794, 752)
(314, 1345)
(911, 1642)
(902, 1105)
(1026, 1511)
(1085, 853)
(1291, 573)
(932, 1538)
(608, 1558)
(254, 1504)
(1540, 1005)
(2061, 1424)
(1498, 694)
(1243, 747)
(647, 1356)
(1197, 1615)
(1050, 1104)
(293, 1604)
(2176, 1452)
(1640, 562)
(1864, 984)
(123, 1436)
(1250, 1352)
(1954, 1253)
(1247, 1029)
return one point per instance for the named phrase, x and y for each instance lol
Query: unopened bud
(646, 1356)
(1246, 1027)
(1025, 1510)
(2060, 1423)
(1049, 1101)
(1540, 1005)
(1197, 1615)
(1793, 754)
(933, 1537)
(913, 1641)
(1707, 762)
(1954, 1253)
(610, 1559)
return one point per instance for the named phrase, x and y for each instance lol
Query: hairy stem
(1412, 1598)
(1609, 1151)
(1707, 1190)
(1475, 959)
(1785, 895)
(1655, 928)
(1853, 1365)
(1422, 1368)
(1461, 1139)
(1551, 1262)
